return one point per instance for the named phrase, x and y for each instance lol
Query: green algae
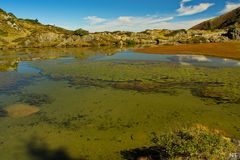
(34, 99)
(96, 109)
(220, 84)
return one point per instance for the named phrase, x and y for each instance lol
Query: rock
(233, 33)
(144, 158)
(234, 156)
(21, 110)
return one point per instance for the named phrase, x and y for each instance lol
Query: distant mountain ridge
(227, 20)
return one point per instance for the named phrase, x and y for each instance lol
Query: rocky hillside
(14, 31)
(230, 19)
(27, 33)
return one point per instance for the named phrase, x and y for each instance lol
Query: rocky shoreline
(120, 38)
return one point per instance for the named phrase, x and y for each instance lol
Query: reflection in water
(199, 60)
(24, 67)
(9, 59)
(14, 61)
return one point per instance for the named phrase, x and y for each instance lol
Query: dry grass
(226, 50)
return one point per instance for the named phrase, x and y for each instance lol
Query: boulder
(233, 33)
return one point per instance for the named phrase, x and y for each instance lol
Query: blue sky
(111, 15)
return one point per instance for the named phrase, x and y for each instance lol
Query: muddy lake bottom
(97, 106)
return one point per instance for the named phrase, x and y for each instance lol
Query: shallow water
(93, 105)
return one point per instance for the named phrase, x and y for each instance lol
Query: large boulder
(233, 33)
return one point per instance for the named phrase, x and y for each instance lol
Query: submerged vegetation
(35, 99)
(3, 113)
(85, 103)
(220, 85)
(88, 104)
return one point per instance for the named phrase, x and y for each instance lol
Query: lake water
(94, 104)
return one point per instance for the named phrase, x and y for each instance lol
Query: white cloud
(126, 19)
(130, 23)
(184, 1)
(94, 19)
(190, 10)
(229, 7)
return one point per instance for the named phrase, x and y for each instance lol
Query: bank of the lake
(225, 50)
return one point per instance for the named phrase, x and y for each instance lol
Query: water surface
(94, 104)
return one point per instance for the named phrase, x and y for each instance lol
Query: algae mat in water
(96, 109)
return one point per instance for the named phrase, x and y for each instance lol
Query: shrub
(197, 39)
(174, 33)
(81, 32)
(197, 143)
(34, 21)
(130, 42)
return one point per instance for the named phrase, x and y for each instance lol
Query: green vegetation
(34, 21)
(207, 83)
(130, 42)
(81, 32)
(197, 143)
(224, 21)
(197, 39)
(174, 33)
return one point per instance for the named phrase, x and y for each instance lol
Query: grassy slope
(224, 21)
(12, 29)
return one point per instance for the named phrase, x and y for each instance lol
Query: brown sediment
(226, 49)
(21, 110)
